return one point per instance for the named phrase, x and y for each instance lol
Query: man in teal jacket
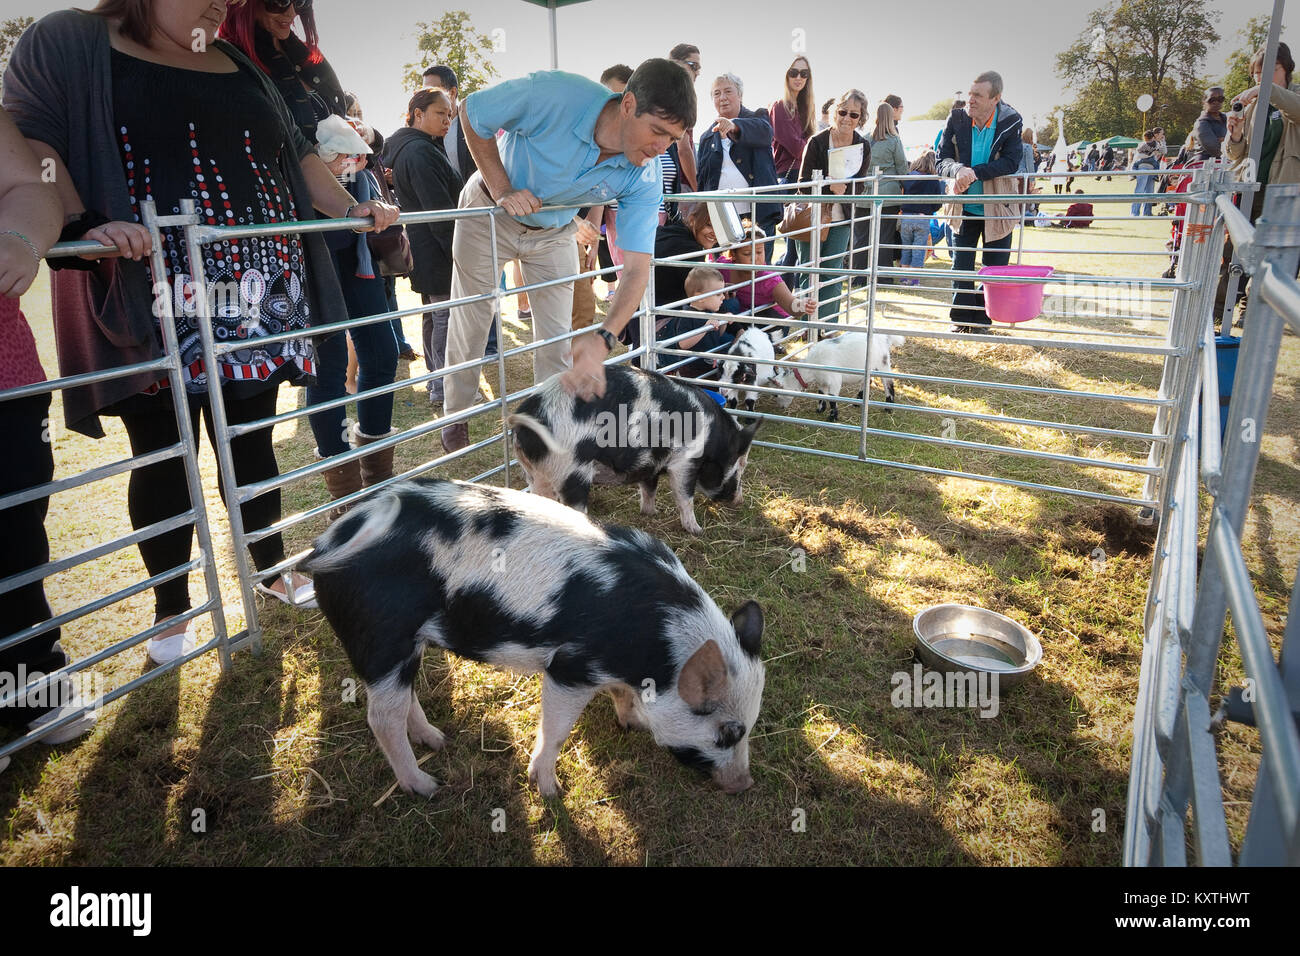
(978, 145)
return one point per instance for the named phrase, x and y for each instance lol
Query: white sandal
(70, 731)
(164, 650)
(303, 596)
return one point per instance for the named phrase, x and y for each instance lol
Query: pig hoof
(692, 526)
(430, 736)
(544, 780)
(421, 785)
(647, 507)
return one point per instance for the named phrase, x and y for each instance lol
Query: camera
(1237, 107)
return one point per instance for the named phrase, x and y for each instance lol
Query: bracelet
(25, 241)
(608, 336)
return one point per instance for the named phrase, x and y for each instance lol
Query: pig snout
(737, 498)
(733, 781)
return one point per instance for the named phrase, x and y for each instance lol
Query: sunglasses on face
(279, 6)
(692, 65)
(1215, 99)
(850, 114)
(793, 73)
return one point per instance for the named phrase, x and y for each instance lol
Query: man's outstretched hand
(586, 379)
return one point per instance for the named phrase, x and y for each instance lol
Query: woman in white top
(849, 115)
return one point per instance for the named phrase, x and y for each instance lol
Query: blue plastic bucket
(1225, 353)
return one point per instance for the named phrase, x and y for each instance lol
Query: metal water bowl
(957, 637)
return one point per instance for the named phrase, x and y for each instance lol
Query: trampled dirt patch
(1112, 527)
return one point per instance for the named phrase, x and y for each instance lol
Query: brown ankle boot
(341, 480)
(378, 465)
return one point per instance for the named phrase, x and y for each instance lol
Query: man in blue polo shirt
(979, 145)
(568, 142)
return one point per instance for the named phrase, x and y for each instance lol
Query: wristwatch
(608, 336)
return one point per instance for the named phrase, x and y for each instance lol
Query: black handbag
(391, 249)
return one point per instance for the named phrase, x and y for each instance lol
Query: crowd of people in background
(269, 134)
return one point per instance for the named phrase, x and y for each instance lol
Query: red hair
(240, 27)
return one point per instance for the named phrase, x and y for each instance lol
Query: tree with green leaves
(1253, 36)
(10, 31)
(939, 111)
(453, 41)
(1131, 47)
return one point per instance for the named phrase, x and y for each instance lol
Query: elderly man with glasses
(1211, 126)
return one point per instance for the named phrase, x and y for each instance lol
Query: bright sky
(877, 47)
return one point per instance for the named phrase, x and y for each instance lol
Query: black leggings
(28, 463)
(160, 491)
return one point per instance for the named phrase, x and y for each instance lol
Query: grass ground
(273, 762)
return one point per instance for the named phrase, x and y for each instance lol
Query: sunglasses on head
(792, 73)
(279, 6)
(849, 113)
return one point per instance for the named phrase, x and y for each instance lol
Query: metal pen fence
(1178, 344)
(197, 235)
(186, 449)
(875, 307)
(1175, 756)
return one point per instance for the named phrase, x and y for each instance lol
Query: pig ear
(703, 679)
(747, 434)
(748, 622)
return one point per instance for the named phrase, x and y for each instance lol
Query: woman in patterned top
(156, 115)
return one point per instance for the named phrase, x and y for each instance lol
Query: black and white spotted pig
(644, 425)
(522, 582)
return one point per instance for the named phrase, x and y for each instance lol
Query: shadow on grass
(1270, 576)
(124, 818)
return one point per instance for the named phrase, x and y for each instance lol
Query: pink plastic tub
(1014, 301)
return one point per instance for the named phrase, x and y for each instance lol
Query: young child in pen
(706, 330)
(771, 297)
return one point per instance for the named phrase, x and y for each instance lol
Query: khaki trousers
(543, 254)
